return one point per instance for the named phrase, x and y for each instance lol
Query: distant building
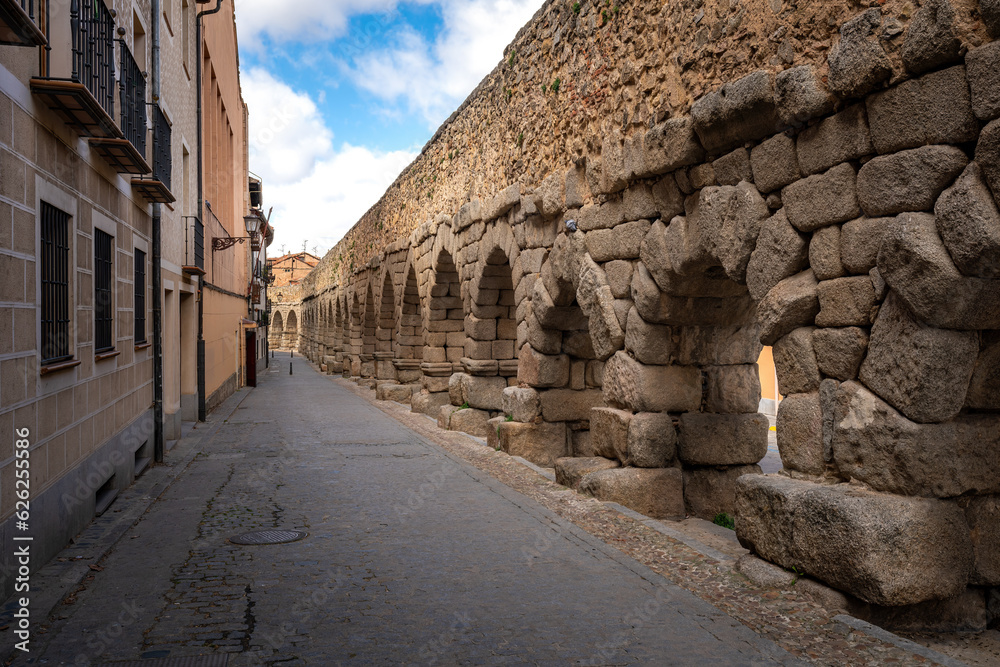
(291, 268)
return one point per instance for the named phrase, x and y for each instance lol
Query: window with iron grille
(104, 312)
(140, 296)
(55, 230)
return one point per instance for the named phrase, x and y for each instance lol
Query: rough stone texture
(990, 11)
(764, 574)
(619, 275)
(793, 302)
(876, 445)
(672, 145)
(965, 612)
(401, 393)
(622, 242)
(719, 345)
(916, 265)
(931, 40)
(430, 403)
(846, 302)
(652, 440)
(774, 163)
(909, 180)
(921, 371)
(655, 256)
(781, 252)
(858, 63)
(988, 156)
(839, 138)
(570, 470)
(732, 389)
(560, 405)
(649, 343)
(822, 199)
(542, 444)
(981, 66)
(609, 432)
(984, 389)
(709, 439)
(983, 515)
(912, 115)
(801, 96)
(656, 492)
(484, 393)
(859, 243)
(659, 308)
(542, 370)
(598, 304)
(969, 224)
(644, 388)
(740, 111)
(733, 167)
(824, 253)
(795, 362)
(839, 351)
(737, 235)
(522, 404)
(711, 491)
(468, 420)
(881, 548)
(800, 433)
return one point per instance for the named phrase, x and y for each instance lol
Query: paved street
(412, 556)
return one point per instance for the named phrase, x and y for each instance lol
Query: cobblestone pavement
(422, 548)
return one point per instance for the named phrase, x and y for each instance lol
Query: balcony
(19, 21)
(194, 246)
(78, 83)
(128, 155)
(157, 188)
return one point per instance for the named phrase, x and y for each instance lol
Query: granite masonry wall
(585, 261)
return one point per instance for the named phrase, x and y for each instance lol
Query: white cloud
(432, 78)
(282, 20)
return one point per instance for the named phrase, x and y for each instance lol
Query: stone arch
(444, 333)
(291, 331)
(385, 330)
(409, 340)
(369, 325)
(276, 329)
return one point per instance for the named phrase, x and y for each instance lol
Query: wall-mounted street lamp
(252, 223)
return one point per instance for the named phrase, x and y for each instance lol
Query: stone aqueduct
(836, 201)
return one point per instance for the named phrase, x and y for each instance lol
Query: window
(140, 296)
(104, 311)
(55, 284)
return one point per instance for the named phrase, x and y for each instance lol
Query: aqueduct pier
(585, 261)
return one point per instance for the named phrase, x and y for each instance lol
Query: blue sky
(343, 94)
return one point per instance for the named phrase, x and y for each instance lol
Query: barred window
(55, 230)
(104, 312)
(140, 296)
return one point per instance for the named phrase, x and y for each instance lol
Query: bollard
(272, 354)
(289, 368)
(291, 354)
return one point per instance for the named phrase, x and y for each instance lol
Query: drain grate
(268, 537)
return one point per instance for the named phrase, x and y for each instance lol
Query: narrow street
(413, 556)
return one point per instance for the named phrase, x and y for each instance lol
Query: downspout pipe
(202, 412)
(157, 277)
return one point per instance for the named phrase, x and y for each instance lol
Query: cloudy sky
(343, 94)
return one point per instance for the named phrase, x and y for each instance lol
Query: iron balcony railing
(92, 29)
(20, 22)
(194, 243)
(133, 100)
(161, 148)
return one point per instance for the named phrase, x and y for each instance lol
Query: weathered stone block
(429, 403)
(875, 444)
(781, 252)
(655, 256)
(544, 339)
(733, 167)
(732, 389)
(799, 431)
(672, 145)
(568, 405)
(522, 404)
(884, 549)
(609, 432)
(502, 202)
(655, 492)
(839, 138)
(569, 471)
(983, 515)
(740, 111)
(638, 203)
(709, 439)
(795, 362)
(549, 196)
(643, 388)
(652, 440)
(990, 11)
(921, 371)
(846, 302)
(912, 115)
(542, 370)
(613, 177)
(909, 180)
(597, 302)
(619, 276)
(582, 445)
(984, 390)
(710, 346)
(471, 421)
(859, 243)
(659, 308)
(667, 198)
(792, 303)
(824, 253)
(710, 491)
(542, 444)
(981, 65)
(839, 351)
(401, 393)
(969, 224)
(931, 40)
(800, 96)
(485, 393)
(774, 163)
(822, 199)
(649, 343)
(988, 156)
(622, 242)
(858, 63)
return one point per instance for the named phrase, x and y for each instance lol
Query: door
(251, 350)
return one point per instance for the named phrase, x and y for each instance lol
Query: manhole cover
(268, 537)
